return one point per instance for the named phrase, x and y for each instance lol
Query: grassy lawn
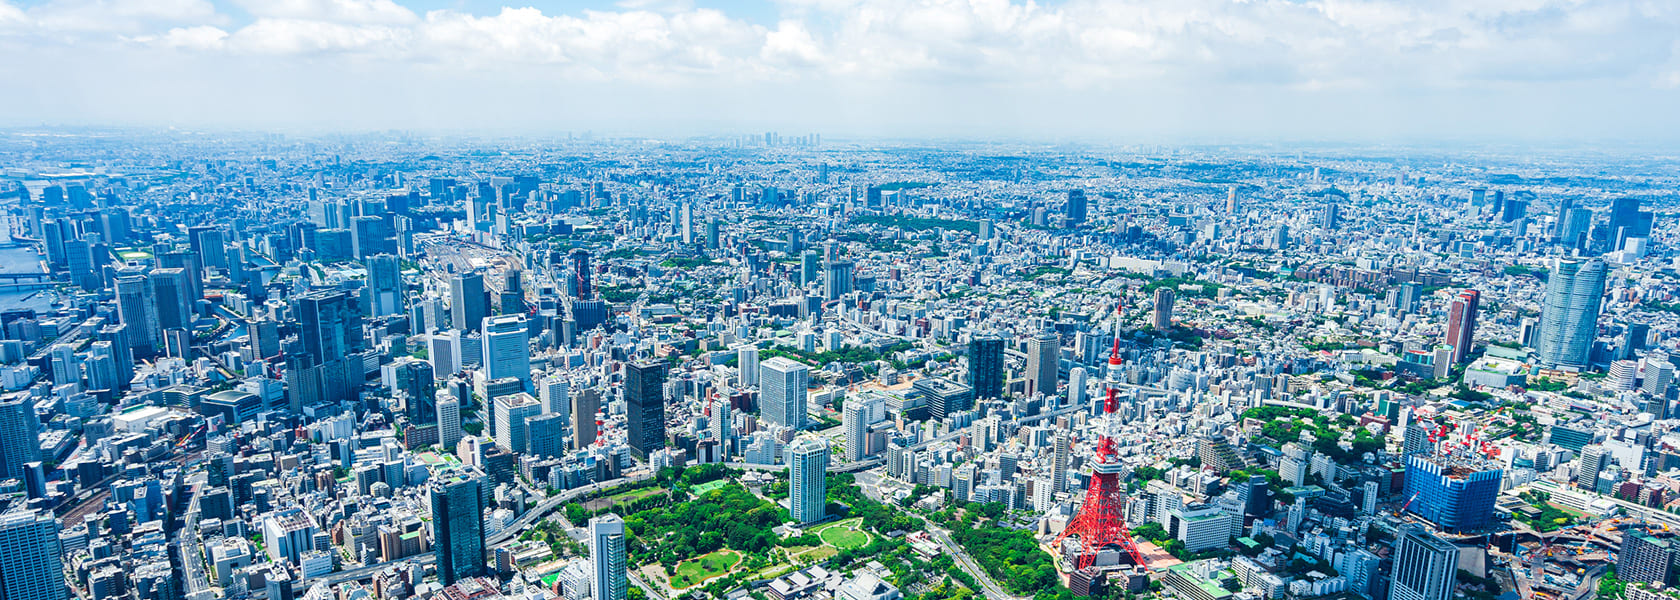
(634, 495)
(843, 535)
(705, 488)
(811, 554)
(695, 571)
(845, 539)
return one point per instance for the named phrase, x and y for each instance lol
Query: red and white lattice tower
(1101, 522)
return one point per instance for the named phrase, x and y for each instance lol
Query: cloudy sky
(1123, 70)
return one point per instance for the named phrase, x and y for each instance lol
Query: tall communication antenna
(1101, 521)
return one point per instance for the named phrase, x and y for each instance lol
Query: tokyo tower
(1101, 521)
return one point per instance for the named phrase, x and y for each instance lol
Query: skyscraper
(1417, 440)
(30, 563)
(1569, 312)
(783, 384)
(810, 268)
(746, 361)
(467, 303)
(458, 526)
(807, 501)
(644, 405)
(1077, 208)
(985, 365)
(512, 413)
(545, 435)
(555, 393)
(20, 435)
(1060, 457)
(1425, 566)
(507, 348)
(329, 326)
(580, 270)
(367, 236)
(1592, 462)
(417, 386)
(854, 421)
(584, 406)
(1162, 315)
(1043, 354)
(607, 556)
(837, 279)
(137, 310)
(448, 419)
(1644, 559)
(172, 295)
(207, 241)
(1461, 324)
(384, 285)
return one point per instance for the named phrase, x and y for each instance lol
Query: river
(21, 259)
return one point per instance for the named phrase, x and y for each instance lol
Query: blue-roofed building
(1454, 493)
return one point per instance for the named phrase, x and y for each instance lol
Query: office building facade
(1425, 566)
(783, 385)
(644, 405)
(807, 472)
(1569, 313)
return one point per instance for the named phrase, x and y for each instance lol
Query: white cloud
(119, 16)
(202, 37)
(338, 11)
(294, 36)
(947, 51)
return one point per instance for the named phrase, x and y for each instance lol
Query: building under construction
(1455, 492)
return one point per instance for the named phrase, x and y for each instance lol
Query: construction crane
(1408, 504)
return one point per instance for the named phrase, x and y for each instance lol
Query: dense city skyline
(839, 300)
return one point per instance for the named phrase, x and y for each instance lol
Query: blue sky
(1107, 70)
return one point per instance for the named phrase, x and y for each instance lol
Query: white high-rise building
(507, 348)
(807, 469)
(854, 422)
(1060, 460)
(746, 360)
(556, 395)
(722, 421)
(1593, 461)
(1076, 392)
(607, 555)
(512, 411)
(449, 419)
(30, 566)
(782, 391)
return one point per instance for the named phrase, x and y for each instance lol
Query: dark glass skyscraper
(644, 405)
(20, 436)
(468, 304)
(330, 325)
(458, 526)
(985, 365)
(580, 270)
(419, 389)
(1077, 208)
